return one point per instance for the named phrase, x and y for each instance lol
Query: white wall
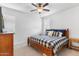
(25, 24)
(9, 22)
(66, 19)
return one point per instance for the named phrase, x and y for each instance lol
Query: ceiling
(53, 7)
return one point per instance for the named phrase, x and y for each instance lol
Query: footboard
(40, 47)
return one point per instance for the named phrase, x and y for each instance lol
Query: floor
(28, 51)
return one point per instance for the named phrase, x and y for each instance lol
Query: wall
(26, 24)
(66, 19)
(9, 22)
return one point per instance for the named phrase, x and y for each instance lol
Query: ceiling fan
(40, 7)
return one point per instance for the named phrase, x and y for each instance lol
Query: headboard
(64, 31)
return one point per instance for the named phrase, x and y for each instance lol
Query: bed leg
(28, 41)
(66, 45)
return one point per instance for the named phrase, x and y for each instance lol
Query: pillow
(56, 30)
(50, 33)
(55, 33)
(60, 34)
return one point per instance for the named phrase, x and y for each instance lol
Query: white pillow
(50, 33)
(55, 33)
(60, 34)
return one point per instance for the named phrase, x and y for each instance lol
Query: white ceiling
(26, 7)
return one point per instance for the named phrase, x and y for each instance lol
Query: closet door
(6, 44)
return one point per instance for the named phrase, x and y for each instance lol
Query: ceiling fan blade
(33, 10)
(34, 5)
(45, 4)
(46, 9)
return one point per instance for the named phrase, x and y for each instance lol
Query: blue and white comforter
(51, 42)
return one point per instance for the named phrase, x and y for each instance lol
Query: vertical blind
(1, 21)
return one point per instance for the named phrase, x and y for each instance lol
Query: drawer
(6, 44)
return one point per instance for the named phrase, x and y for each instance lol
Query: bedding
(51, 42)
(50, 33)
(55, 31)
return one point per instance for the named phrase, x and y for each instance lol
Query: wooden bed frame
(43, 49)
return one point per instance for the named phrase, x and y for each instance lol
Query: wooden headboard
(64, 31)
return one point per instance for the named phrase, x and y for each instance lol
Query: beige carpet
(28, 51)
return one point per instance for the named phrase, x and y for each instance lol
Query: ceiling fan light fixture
(40, 7)
(39, 10)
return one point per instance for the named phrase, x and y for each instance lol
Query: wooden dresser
(6, 44)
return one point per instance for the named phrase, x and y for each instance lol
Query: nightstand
(74, 43)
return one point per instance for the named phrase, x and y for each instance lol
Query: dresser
(6, 44)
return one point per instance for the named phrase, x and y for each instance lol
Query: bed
(49, 44)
